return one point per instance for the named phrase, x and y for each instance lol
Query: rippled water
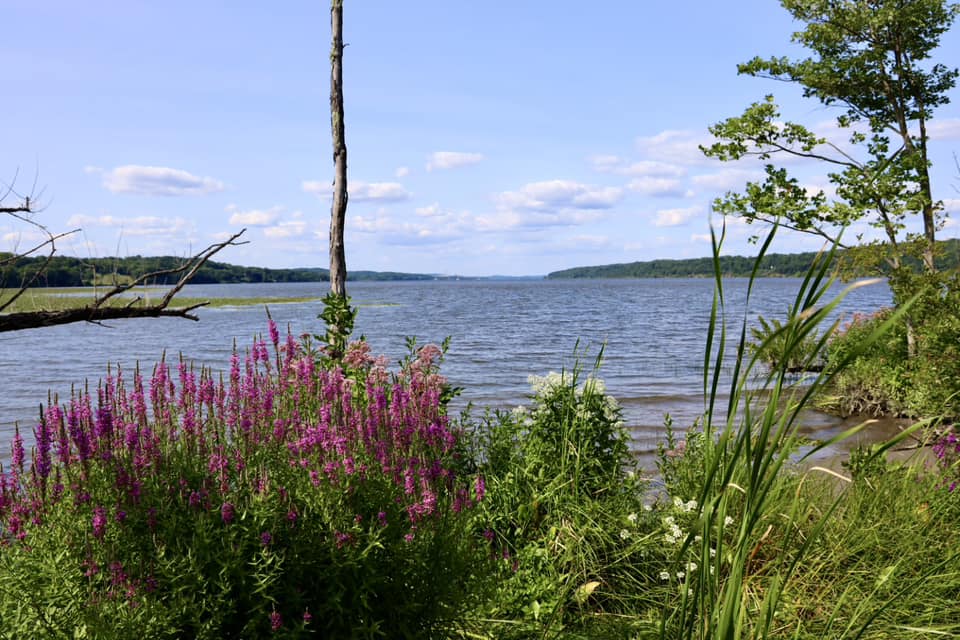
(653, 332)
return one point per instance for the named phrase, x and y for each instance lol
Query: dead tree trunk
(338, 210)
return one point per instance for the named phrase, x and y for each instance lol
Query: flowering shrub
(564, 512)
(288, 499)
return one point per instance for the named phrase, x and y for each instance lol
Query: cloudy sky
(499, 137)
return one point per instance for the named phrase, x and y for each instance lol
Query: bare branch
(26, 284)
(188, 269)
(97, 312)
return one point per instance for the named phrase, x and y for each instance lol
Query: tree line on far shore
(66, 271)
(783, 265)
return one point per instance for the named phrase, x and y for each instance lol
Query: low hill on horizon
(778, 265)
(67, 271)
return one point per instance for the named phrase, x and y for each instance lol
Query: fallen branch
(98, 312)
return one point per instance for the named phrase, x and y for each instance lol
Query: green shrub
(289, 500)
(565, 512)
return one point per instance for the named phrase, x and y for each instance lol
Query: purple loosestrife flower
(274, 332)
(99, 522)
(17, 450)
(276, 621)
(480, 488)
(77, 432)
(227, 512)
(266, 538)
(42, 459)
(307, 616)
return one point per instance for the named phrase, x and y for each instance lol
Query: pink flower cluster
(110, 456)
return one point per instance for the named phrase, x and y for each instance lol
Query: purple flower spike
(276, 621)
(227, 512)
(99, 522)
(266, 538)
(17, 453)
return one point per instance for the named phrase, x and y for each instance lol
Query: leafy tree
(872, 59)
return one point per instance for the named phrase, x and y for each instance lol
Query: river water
(652, 331)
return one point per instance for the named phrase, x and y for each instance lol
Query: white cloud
(377, 191)
(643, 168)
(676, 146)
(254, 217)
(389, 230)
(452, 159)
(951, 205)
(558, 194)
(651, 186)
(402, 172)
(676, 217)
(17, 240)
(605, 163)
(135, 226)
(360, 191)
(288, 229)
(726, 179)
(589, 241)
(157, 181)
(429, 211)
(317, 188)
(945, 129)
(504, 220)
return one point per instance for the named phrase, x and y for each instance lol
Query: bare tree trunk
(338, 210)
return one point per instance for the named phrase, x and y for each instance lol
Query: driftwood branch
(98, 312)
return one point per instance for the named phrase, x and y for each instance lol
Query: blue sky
(484, 138)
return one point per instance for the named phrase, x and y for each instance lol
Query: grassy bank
(55, 299)
(309, 494)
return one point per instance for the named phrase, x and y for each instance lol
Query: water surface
(652, 331)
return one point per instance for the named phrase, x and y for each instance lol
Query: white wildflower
(664, 575)
(727, 521)
(624, 534)
(632, 518)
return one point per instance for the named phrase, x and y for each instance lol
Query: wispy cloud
(558, 194)
(726, 179)
(452, 159)
(657, 187)
(135, 226)
(945, 129)
(676, 147)
(157, 181)
(676, 217)
(643, 168)
(360, 191)
(286, 229)
(254, 217)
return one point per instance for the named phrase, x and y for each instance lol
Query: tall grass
(754, 530)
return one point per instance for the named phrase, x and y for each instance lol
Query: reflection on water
(652, 333)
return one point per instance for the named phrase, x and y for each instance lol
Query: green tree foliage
(870, 58)
(773, 264)
(66, 271)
